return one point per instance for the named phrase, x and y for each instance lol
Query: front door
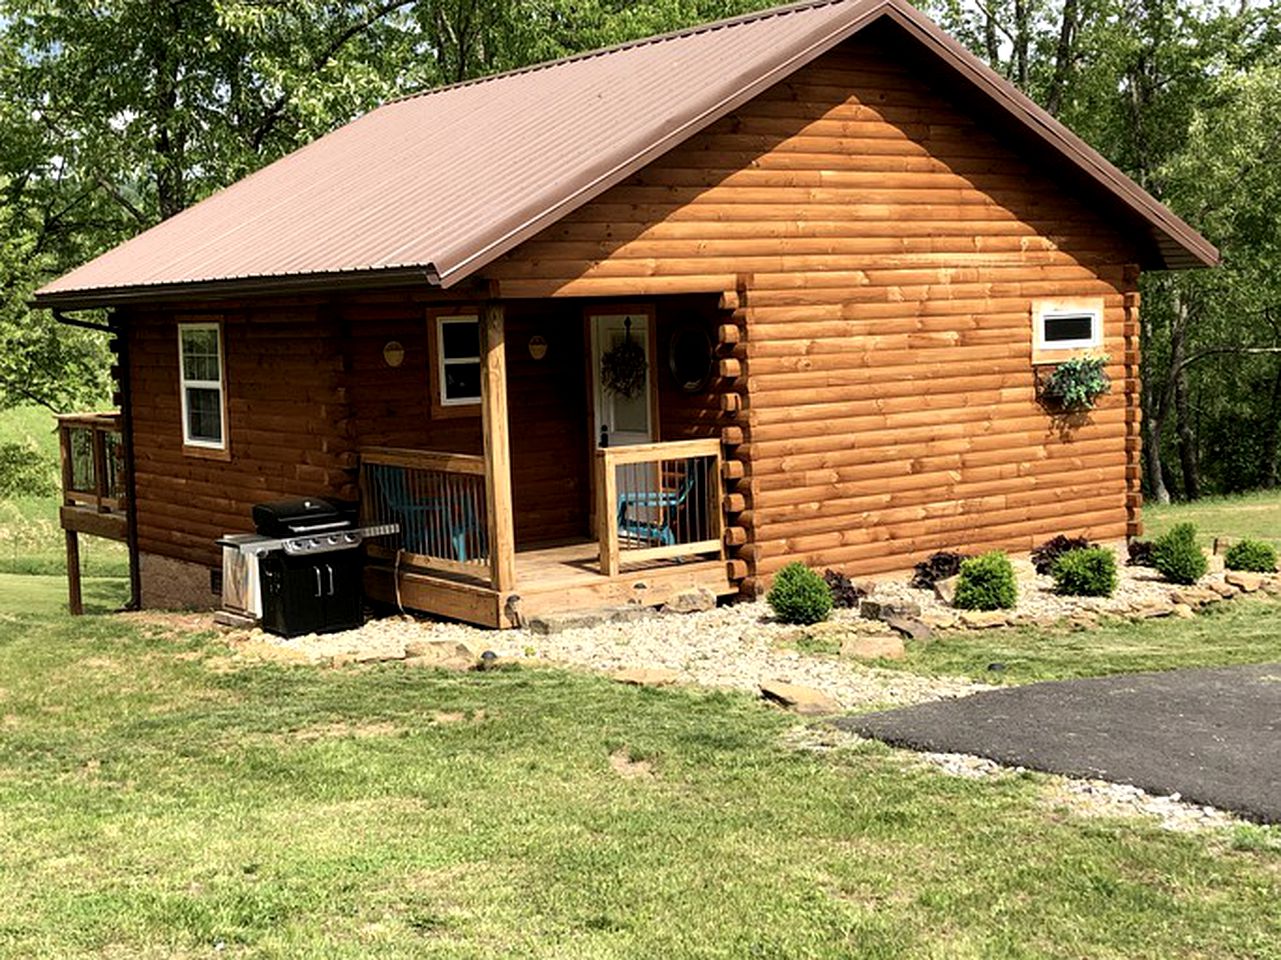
(622, 416)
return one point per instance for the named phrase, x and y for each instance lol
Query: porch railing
(437, 499)
(658, 501)
(92, 461)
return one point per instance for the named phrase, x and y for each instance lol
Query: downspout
(119, 345)
(124, 381)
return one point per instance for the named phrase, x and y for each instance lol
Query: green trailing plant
(1077, 383)
(799, 595)
(1253, 556)
(1085, 572)
(987, 583)
(1044, 556)
(1177, 556)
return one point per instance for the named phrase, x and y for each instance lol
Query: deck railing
(658, 501)
(92, 461)
(437, 499)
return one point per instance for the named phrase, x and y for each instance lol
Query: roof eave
(86, 299)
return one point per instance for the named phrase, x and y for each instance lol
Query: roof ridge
(711, 25)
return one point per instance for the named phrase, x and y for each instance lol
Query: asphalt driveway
(1210, 735)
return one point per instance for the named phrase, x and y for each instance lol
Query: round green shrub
(1177, 557)
(1254, 556)
(799, 595)
(1090, 572)
(987, 583)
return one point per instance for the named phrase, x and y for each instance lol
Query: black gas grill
(309, 563)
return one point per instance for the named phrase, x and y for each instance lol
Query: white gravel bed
(1138, 588)
(733, 646)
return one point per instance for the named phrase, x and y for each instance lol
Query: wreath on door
(623, 367)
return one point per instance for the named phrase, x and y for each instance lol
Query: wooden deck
(548, 579)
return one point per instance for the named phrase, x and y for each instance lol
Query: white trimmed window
(1062, 325)
(458, 360)
(200, 373)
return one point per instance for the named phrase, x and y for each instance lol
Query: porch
(659, 521)
(558, 495)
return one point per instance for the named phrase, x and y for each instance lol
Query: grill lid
(286, 518)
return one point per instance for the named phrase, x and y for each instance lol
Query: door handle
(330, 570)
(319, 588)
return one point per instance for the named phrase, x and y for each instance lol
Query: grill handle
(319, 588)
(330, 570)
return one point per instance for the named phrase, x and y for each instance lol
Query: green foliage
(1254, 556)
(1178, 557)
(799, 595)
(1045, 556)
(24, 472)
(1077, 383)
(987, 583)
(1089, 572)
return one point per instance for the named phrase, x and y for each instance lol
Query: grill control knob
(333, 539)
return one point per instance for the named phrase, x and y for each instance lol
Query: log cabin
(659, 317)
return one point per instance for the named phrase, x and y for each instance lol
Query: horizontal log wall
(308, 386)
(288, 424)
(890, 243)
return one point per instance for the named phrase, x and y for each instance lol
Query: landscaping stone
(873, 648)
(1151, 611)
(691, 601)
(885, 610)
(1224, 589)
(803, 700)
(551, 623)
(647, 677)
(1246, 582)
(910, 628)
(945, 590)
(631, 613)
(1183, 611)
(439, 650)
(939, 621)
(984, 619)
(1193, 596)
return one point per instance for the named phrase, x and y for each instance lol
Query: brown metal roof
(432, 187)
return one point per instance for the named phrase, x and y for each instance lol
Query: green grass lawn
(1242, 631)
(157, 802)
(1255, 515)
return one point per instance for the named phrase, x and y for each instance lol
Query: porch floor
(549, 579)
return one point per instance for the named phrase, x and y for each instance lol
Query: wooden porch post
(498, 481)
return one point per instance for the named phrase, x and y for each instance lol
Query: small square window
(1062, 326)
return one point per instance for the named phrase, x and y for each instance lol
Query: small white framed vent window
(1062, 327)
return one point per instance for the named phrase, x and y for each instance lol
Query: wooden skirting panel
(486, 607)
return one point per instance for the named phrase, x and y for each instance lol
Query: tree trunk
(1182, 408)
(1153, 470)
(1064, 58)
(1272, 440)
(1022, 44)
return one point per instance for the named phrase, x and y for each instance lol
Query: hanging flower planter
(624, 371)
(1075, 385)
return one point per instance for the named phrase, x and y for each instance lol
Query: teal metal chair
(666, 504)
(450, 517)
